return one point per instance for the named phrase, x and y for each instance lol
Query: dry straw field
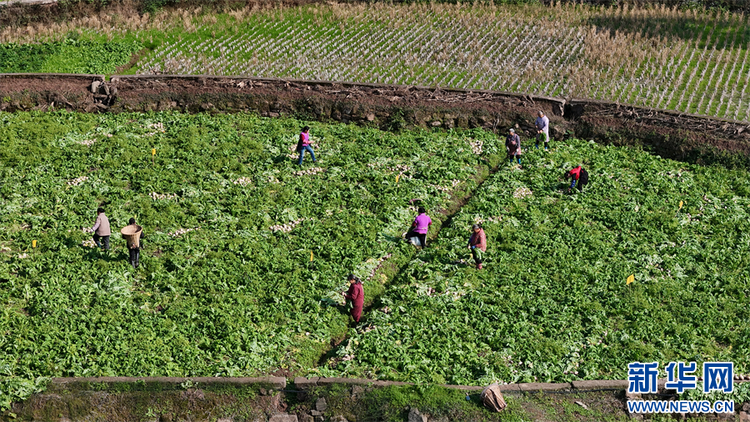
(685, 60)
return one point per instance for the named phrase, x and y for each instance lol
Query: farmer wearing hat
(101, 229)
(513, 145)
(580, 177)
(357, 295)
(478, 244)
(542, 129)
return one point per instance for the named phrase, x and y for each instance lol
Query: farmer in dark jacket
(478, 244)
(580, 178)
(513, 145)
(134, 249)
(357, 295)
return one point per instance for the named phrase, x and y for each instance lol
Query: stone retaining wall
(274, 383)
(266, 399)
(307, 383)
(303, 383)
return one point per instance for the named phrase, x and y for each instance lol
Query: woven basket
(493, 398)
(132, 235)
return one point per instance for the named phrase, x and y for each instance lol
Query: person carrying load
(133, 235)
(580, 178)
(478, 244)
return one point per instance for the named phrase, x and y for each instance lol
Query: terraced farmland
(663, 58)
(689, 61)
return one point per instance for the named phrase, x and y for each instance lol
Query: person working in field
(478, 244)
(580, 178)
(304, 145)
(420, 226)
(542, 130)
(101, 229)
(513, 145)
(357, 295)
(133, 235)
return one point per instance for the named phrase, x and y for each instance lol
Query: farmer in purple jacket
(421, 225)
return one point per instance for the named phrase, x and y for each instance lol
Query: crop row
(664, 58)
(367, 48)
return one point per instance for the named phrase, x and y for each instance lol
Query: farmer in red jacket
(579, 175)
(478, 244)
(357, 295)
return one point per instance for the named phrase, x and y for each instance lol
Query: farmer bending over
(101, 229)
(478, 244)
(513, 145)
(542, 129)
(357, 295)
(304, 145)
(580, 177)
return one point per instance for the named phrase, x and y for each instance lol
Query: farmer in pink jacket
(420, 226)
(357, 295)
(304, 145)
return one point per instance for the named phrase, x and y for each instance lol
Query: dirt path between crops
(448, 213)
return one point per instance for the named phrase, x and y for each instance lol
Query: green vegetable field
(246, 254)
(553, 303)
(68, 56)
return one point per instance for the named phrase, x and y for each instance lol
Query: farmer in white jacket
(542, 130)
